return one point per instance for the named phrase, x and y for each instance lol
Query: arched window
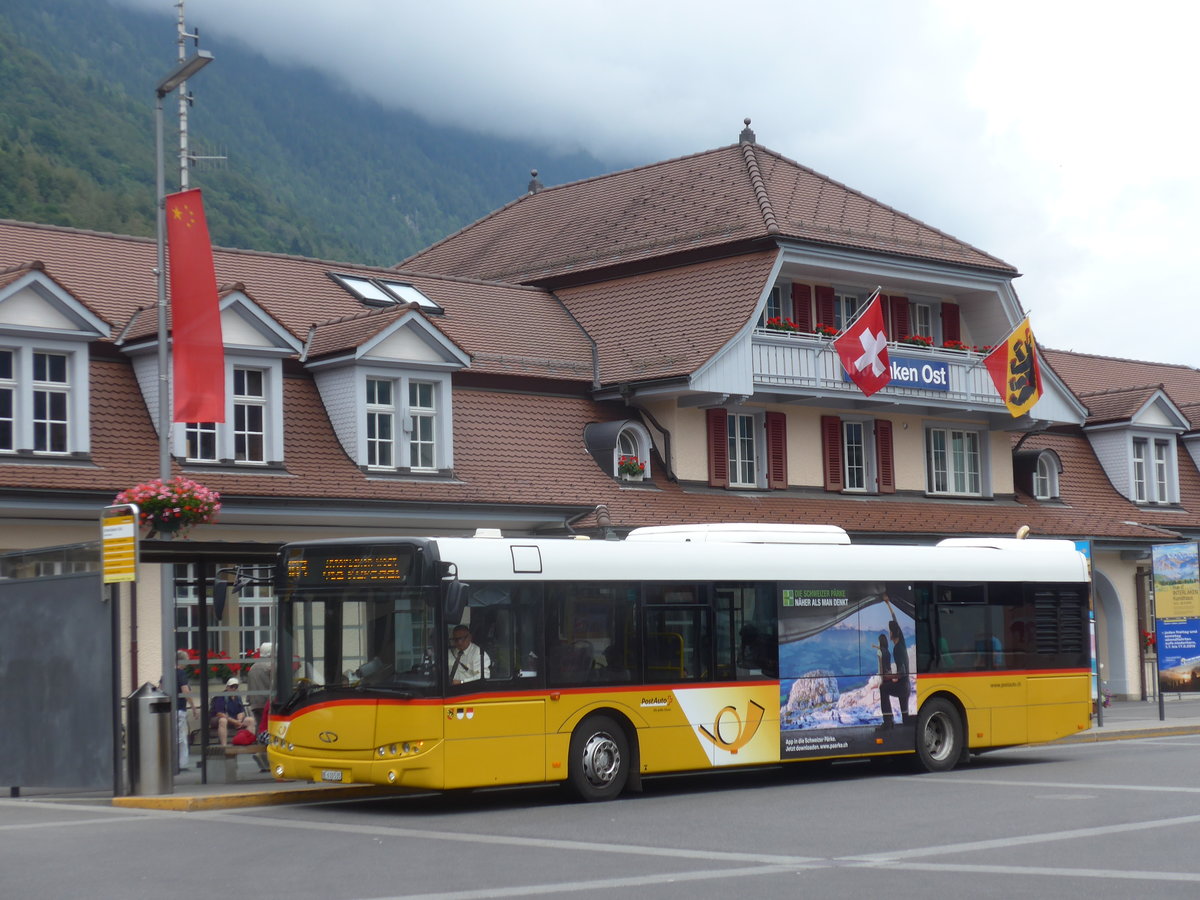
(1045, 476)
(633, 442)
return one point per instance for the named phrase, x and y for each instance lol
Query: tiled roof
(1088, 493)
(668, 323)
(733, 194)
(493, 431)
(113, 276)
(1118, 404)
(1085, 372)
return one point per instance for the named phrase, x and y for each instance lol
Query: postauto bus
(680, 648)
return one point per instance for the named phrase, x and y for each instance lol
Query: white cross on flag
(863, 350)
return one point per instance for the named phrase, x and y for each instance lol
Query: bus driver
(467, 661)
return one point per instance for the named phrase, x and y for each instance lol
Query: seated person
(467, 661)
(227, 708)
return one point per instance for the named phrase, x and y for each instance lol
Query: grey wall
(56, 683)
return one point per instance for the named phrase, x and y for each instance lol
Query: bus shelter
(69, 651)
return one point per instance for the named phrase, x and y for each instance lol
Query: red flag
(1014, 369)
(198, 351)
(863, 350)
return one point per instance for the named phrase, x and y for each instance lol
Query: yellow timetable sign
(119, 542)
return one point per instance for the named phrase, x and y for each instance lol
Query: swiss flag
(863, 350)
(197, 349)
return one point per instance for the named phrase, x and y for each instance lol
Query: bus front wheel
(939, 735)
(599, 761)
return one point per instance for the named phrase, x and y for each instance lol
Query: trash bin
(148, 743)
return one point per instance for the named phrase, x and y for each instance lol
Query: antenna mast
(185, 99)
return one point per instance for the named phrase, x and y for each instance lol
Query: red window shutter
(802, 306)
(718, 448)
(951, 330)
(899, 311)
(777, 476)
(831, 452)
(825, 311)
(885, 458)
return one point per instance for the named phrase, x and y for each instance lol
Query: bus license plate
(331, 775)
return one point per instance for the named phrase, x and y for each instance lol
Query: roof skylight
(384, 292)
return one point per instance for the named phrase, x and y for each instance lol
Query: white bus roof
(742, 533)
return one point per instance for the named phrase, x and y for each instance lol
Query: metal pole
(166, 577)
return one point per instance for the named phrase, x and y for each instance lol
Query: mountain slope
(312, 170)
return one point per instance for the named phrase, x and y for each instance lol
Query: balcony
(807, 366)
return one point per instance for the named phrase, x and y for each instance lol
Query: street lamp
(182, 72)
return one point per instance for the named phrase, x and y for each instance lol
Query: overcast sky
(1059, 136)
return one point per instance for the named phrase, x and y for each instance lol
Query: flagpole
(862, 309)
(166, 605)
(1006, 339)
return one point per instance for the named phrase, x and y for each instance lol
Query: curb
(1095, 735)
(196, 803)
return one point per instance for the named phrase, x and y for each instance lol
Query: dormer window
(382, 292)
(1153, 470)
(1045, 476)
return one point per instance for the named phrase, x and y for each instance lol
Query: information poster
(1177, 614)
(847, 658)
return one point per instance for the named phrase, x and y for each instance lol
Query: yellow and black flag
(1014, 369)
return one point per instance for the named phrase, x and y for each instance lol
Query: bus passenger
(468, 661)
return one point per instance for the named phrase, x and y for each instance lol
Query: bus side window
(591, 634)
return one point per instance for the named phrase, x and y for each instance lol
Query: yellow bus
(442, 663)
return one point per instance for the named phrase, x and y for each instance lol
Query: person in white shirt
(467, 661)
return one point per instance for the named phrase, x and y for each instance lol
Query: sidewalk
(1123, 720)
(1138, 718)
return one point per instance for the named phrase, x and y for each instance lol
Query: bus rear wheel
(598, 767)
(939, 735)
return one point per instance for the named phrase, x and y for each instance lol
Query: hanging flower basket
(171, 509)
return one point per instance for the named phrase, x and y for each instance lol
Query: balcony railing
(804, 363)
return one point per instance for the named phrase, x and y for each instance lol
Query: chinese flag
(863, 350)
(197, 349)
(1014, 369)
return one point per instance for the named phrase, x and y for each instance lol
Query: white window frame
(249, 404)
(23, 391)
(738, 442)
(269, 402)
(1045, 477)
(867, 480)
(632, 440)
(421, 426)
(380, 448)
(922, 319)
(774, 307)
(845, 308)
(959, 478)
(408, 418)
(1153, 471)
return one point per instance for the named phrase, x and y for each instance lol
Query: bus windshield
(360, 638)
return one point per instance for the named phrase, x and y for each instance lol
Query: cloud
(1058, 136)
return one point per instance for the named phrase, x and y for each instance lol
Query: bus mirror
(455, 602)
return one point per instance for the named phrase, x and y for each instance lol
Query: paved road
(1093, 820)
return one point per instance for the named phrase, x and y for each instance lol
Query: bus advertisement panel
(846, 652)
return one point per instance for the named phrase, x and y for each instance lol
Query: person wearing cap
(226, 708)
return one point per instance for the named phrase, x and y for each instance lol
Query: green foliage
(312, 170)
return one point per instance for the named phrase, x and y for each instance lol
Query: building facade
(677, 314)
